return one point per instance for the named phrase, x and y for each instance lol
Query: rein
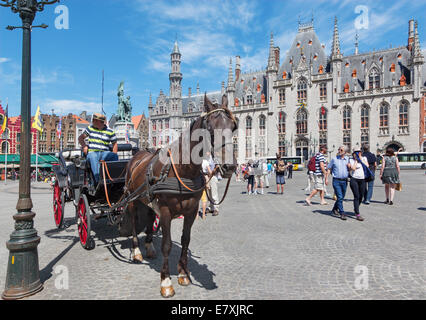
(124, 200)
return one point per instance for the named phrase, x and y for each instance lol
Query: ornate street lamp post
(23, 276)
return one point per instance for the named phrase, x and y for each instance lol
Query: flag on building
(4, 122)
(127, 133)
(301, 105)
(59, 130)
(38, 123)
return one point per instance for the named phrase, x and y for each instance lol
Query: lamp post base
(23, 275)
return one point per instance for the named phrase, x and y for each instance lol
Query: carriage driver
(100, 137)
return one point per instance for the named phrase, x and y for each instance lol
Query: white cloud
(3, 60)
(210, 15)
(69, 106)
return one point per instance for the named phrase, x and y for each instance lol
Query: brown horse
(171, 206)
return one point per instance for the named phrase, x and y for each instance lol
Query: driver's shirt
(100, 140)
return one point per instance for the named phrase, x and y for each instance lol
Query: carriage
(73, 183)
(158, 185)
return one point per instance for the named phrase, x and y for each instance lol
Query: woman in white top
(357, 183)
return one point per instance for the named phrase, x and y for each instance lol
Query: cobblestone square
(259, 247)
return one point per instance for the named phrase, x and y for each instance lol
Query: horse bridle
(204, 118)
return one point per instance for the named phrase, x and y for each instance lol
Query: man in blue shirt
(338, 167)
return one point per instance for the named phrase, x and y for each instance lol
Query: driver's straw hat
(98, 116)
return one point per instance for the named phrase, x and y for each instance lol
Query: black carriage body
(114, 187)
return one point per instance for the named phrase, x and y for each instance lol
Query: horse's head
(220, 123)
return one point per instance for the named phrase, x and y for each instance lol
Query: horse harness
(163, 184)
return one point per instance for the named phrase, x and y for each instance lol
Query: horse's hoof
(138, 258)
(167, 292)
(184, 281)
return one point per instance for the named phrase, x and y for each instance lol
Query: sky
(132, 40)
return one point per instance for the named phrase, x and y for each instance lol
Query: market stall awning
(44, 161)
(11, 158)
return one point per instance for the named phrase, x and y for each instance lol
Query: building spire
(176, 47)
(230, 75)
(356, 43)
(417, 52)
(271, 59)
(335, 48)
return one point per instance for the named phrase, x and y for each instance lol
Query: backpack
(281, 166)
(311, 164)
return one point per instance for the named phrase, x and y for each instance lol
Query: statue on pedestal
(124, 111)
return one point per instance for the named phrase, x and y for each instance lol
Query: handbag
(368, 174)
(398, 187)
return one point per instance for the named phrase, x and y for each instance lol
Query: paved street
(259, 247)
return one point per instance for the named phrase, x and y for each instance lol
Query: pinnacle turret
(335, 48)
(230, 77)
(417, 50)
(271, 59)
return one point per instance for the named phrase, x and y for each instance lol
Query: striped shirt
(319, 157)
(100, 140)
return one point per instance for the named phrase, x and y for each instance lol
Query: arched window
(347, 127)
(322, 124)
(5, 147)
(384, 119)
(403, 118)
(365, 112)
(302, 122)
(249, 127)
(323, 91)
(262, 138)
(248, 137)
(281, 134)
(249, 98)
(424, 146)
(374, 79)
(302, 90)
(262, 125)
(347, 118)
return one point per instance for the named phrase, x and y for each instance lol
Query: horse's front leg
(136, 252)
(184, 278)
(167, 290)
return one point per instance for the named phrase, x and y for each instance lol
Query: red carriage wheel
(58, 205)
(83, 222)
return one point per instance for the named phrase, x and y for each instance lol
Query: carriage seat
(116, 169)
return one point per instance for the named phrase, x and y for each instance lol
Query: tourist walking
(265, 174)
(389, 174)
(372, 164)
(339, 169)
(250, 179)
(280, 168)
(320, 176)
(358, 166)
(207, 171)
(290, 170)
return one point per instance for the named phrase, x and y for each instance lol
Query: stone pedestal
(120, 128)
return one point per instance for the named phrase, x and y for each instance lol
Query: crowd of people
(358, 170)
(258, 173)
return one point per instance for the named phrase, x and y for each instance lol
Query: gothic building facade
(312, 98)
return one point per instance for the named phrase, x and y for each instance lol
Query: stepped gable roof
(312, 50)
(198, 101)
(399, 56)
(250, 82)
